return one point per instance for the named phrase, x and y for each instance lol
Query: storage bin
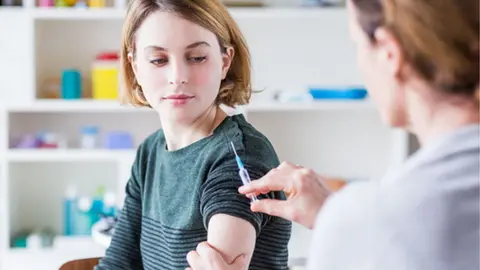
(105, 76)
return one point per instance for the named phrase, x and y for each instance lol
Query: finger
(259, 192)
(271, 181)
(270, 206)
(206, 251)
(288, 165)
(194, 260)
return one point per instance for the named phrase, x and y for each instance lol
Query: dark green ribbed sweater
(172, 195)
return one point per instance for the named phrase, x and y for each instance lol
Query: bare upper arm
(231, 236)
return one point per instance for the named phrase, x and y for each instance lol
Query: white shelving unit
(292, 49)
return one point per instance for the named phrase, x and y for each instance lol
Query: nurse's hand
(306, 192)
(208, 258)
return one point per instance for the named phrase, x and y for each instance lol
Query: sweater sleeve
(124, 250)
(220, 193)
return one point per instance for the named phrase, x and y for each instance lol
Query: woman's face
(379, 65)
(179, 66)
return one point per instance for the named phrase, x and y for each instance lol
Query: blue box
(338, 93)
(118, 140)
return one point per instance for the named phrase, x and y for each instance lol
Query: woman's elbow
(231, 237)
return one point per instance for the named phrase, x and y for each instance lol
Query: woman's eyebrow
(196, 44)
(154, 48)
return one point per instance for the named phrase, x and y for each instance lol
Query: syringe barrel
(244, 176)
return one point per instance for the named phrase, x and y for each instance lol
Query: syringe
(243, 172)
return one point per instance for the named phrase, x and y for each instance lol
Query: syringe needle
(233, 147)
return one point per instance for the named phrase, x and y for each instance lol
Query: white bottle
(109, 203)
(84, 221)
(34, 241)
(89, 137)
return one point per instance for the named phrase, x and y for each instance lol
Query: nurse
(420, 62)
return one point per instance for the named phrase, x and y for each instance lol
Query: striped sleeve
(220, 194)
(124, 250)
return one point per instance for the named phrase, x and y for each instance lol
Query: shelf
(309, 106)
(85, 105)
(52, 258)
(68, 155)
(64, 243)
(283, 12)
(78, 14)
(11, 8)
(114, 106)
(238, 13)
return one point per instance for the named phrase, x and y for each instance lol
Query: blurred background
(67, 145)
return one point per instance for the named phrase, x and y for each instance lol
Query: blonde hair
(234, 90)
(439, 38)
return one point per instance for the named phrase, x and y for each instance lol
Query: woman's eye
(198, 59)
(159, 61)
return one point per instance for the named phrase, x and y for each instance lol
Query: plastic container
(118, 140)
(96, 3)
(98, 204)
(69, 211)
(9, 3)
(346, 93)
(46, 3)
(311, 3)
(61, 3)
(109, 206)
(84, 223)
(81, 4)
(105, 76)
(89, 138)
(71, 84)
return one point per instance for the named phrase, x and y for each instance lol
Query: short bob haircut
(234, 90)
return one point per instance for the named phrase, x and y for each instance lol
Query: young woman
(420, 60)
(185, 58)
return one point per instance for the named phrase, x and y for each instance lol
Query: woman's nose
(178, 82)
(178, 74)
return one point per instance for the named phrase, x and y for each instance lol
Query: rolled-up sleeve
(220, 194)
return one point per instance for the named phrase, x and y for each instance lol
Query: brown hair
(440, 38)
(210, 14)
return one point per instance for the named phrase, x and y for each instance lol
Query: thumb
(270, 206)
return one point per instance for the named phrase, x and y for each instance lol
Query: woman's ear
(227, 58)
(390, 57)
(131, 60)
(389, 51)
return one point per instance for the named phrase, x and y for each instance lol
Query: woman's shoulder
(249, 143)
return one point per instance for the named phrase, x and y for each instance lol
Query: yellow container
(96, 3)
(105, 76)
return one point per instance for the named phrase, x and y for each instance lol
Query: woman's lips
(178, 99)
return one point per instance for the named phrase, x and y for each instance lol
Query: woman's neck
(431, 120)
(179, 136)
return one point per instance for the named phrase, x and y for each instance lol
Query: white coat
(424, 216)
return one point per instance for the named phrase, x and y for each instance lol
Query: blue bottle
(83, 220)
(69, 211)
(71, 84)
